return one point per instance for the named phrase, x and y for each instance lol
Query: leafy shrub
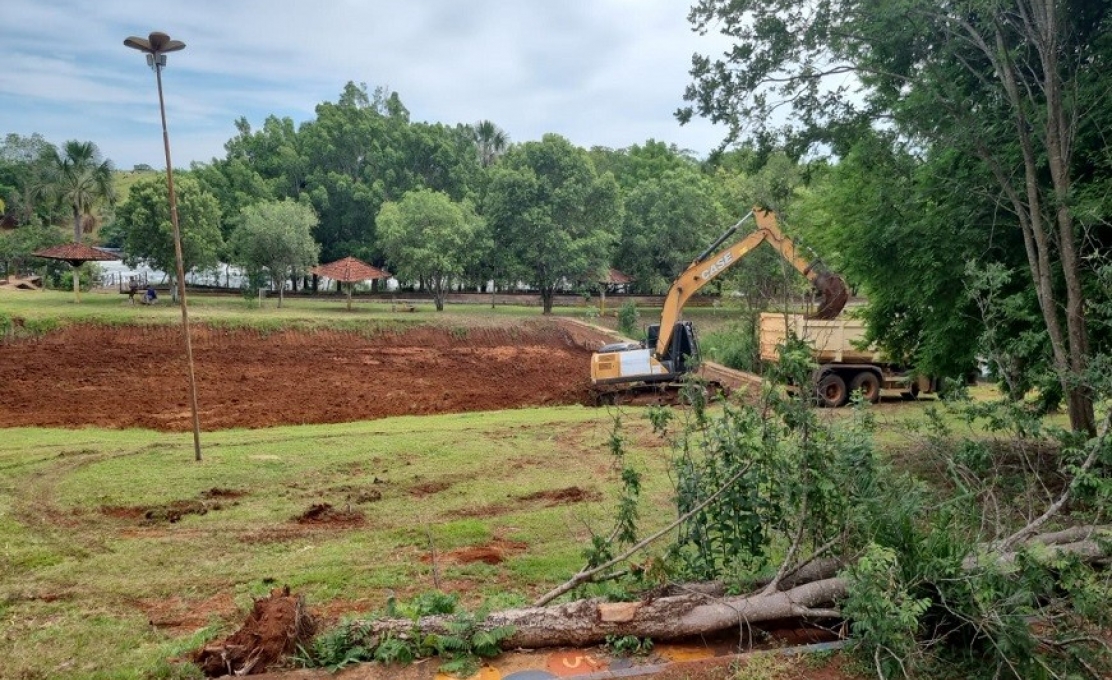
(884, 614)
(627, 318)
(735, 347)
(628, 645)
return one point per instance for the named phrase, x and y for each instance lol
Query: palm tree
(79, 178)
(490, 140)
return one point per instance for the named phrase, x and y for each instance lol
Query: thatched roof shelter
(75, 254)
(350, 270)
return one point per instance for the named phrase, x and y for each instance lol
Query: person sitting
(150, 297)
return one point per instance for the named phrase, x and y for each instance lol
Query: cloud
(607, 72)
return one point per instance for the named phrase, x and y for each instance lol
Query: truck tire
(869, 384)
(831, 390)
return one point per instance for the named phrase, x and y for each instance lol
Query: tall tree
(491, 142)
(276, 236)
(363, 151)
(553, 214)
(668, 220)
(21, 184)
(428, 237)
(1008, 80)
(145, 218)
(78, 177)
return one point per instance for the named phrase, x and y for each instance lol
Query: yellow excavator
(619, 371)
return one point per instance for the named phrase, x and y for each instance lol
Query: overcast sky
(599, 72)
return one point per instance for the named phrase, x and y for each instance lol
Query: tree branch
(586, 575)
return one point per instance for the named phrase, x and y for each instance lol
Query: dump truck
(620, 372)
(845, 362)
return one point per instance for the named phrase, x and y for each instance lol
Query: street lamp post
(155, 47)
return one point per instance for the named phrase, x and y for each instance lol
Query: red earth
(135, 376)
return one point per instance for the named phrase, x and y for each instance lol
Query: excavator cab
(683, 351)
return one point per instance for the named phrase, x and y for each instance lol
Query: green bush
(884, 614)
(736, 347)
(627, 319)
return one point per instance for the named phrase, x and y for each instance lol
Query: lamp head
(156, 43)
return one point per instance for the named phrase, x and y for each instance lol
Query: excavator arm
(706, 267)
(671, 349)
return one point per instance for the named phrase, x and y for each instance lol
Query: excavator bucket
(834, 295)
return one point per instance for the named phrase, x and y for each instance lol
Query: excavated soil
(135, 376)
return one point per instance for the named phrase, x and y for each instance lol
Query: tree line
(958, 182)
(440, 206)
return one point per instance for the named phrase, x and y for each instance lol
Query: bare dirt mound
(134, 376)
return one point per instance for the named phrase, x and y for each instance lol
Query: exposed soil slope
(135, 376)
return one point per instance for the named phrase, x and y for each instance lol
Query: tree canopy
(145, 218)
(276, 237)
(76, 176)
(552, 213)
(1012, 84)
(428, 237)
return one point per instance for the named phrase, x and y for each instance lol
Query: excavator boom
(706, 267)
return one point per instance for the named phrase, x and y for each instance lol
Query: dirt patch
(566, 496)
(178, 615)
(772, 667)
(134, 376)
(217, 492)
(428, 488)
(492, 553)
(325, 514)
(174, 511)
(170, 513)
(276, 625)
(548, 498)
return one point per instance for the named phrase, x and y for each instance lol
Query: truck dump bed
(833, 341)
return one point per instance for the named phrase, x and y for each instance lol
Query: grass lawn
(118, 551)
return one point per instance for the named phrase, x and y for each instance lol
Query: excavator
(622, 371)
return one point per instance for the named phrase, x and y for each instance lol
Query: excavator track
(655, 394)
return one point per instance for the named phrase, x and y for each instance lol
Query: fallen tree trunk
(695, 611)
(589, 622)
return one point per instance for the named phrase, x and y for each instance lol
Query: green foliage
(276, 237)
(966, 92)
(428, 237)
(777, 472)
(17, 245)
(628, 645)
(78, 177)
(628, 317)
(735, 346)
(671, 213)
(150, 233)
(338, 648)
(87, 275)
(624, 532)
(429, 603)
(394, 650)
(885, 617)
(464, 640)
(551, 214)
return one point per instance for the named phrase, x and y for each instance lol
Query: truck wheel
(831, 391)
(869, 384)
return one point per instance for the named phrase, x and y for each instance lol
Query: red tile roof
(349, 270)
(75, 252)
